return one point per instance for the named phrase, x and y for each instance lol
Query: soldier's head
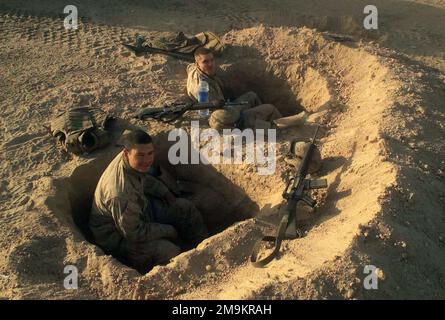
(205, 60)
(139, 150)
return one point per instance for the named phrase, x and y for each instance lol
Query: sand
(379, 99)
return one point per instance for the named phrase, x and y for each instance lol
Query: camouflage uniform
(130, 220)
(254, 114)
(216, 85)
(257, 114)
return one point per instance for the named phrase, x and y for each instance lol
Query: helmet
(224, 118)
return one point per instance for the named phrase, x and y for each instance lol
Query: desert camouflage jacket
(121, 206)
(216, 85)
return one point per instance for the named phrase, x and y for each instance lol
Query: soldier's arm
(127, 216)
(192, 85)
(214, 96)
(154, 187)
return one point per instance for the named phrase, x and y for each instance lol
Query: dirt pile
(382, 143)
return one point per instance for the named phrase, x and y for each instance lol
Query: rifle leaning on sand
(139, 49)
(171, 113)
(293, 193)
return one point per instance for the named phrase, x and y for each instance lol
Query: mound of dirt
(381, 141)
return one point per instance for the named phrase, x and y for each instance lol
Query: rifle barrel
(315, 135)
(308, 156)
(177, 110)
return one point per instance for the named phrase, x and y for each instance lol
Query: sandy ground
(379, 99)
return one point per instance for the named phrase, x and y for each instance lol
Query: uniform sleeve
(215, 95)
(192, 85)
(128, 219)
(154, 187)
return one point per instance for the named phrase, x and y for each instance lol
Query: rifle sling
(278, 239)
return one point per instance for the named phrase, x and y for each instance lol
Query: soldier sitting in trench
(254, 114)
(134, 215)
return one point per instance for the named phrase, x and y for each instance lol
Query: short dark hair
(136, 137)
(202, 51)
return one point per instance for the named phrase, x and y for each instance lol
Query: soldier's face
(140, 157)
(206, 63)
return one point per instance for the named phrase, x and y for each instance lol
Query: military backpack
(82, 129)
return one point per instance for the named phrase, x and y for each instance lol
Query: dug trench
(220, 202)
(344, 87)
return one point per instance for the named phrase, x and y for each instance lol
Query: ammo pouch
(179, 42)
(82, 129)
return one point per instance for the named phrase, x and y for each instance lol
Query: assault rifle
(172, 112)
(293, 193)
